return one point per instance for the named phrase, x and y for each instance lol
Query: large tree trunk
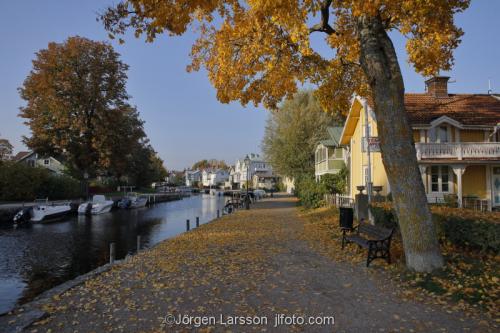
(380, 65)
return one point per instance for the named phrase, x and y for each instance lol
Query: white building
(214, 177)
(192, 177)
(35, 160)
(246, 168)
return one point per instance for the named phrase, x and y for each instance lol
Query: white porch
(458, 151)
(475, 185)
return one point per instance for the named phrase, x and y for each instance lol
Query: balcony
(458, 151)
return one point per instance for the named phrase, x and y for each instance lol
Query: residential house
(265, 182)
(329, 156)
(192, 177)
(246, 168)
(36, 160)
(457, 141)
(214, 177)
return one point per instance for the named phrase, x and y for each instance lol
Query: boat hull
(101, 208)
(97, 206)
(139, 203)
(43, 214)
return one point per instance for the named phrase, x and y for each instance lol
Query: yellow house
(457, 141)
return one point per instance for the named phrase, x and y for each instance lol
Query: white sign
(374, 143)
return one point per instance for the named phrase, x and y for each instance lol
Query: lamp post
(247, 198)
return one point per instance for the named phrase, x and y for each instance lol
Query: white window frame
(440, 179)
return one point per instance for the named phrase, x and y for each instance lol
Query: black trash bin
(346, 217)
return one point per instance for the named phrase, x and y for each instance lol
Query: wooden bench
(374, 238)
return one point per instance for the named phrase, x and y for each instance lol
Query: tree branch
(323, 25)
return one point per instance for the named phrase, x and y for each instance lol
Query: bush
(20, 182)
(458, 226)
(310, 193)
(335, 183)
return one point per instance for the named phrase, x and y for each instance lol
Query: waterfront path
(251, 263)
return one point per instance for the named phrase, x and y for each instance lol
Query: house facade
(192, 177)
(265, 182)
(36, 160)
(214, 177)
(457, 142)
(245, 171)
(329, 156)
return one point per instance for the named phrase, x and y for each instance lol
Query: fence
(338, 200)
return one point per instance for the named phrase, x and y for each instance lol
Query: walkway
(252, 263)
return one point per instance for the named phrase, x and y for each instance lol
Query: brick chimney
(437, 86)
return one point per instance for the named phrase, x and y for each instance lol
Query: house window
(439, 134)
(443, 133)
(46, 162)
(440, 177)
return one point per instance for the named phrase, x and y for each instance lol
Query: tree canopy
(210, 164)
(5, 150)
(257, 51)
(292, 133)
(77, 108)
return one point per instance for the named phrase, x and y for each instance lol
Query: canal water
(42, 256)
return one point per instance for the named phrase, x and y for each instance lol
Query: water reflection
(37, 258)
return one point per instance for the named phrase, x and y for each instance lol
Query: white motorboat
(42, 211)
(133, 200)
(98, 205)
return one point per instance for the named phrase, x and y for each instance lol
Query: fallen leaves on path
(470, 280)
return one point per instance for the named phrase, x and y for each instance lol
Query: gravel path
(252, 265)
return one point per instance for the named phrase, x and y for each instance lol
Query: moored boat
(42, 211)
(98, 205)
(132, 200)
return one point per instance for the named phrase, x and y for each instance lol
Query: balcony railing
(458, 151)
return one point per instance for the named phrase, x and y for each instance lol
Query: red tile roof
(468, 109)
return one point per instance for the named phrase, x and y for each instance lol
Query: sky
(184, 120)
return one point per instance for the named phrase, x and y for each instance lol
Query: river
(39, 257)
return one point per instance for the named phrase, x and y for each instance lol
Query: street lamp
(247, 165)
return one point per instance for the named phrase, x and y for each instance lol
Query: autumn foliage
(77, 109)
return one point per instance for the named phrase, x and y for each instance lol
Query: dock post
(187, 225)
(112, 253)
(218, 213)
(138, 243)
(197, 221)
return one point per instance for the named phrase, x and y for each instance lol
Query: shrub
(20, 182)
(335, 183)
(459, 226)
(310, 193)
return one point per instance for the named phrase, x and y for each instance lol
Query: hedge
(461, 227)
(20, 182)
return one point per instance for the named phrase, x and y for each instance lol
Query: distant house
(216, 177)
(36, 160)
(192, 177)
(457, 143)
(244, 172)
(329, 156)
(265, 182)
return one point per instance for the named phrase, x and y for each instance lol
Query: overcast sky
(184, 120)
